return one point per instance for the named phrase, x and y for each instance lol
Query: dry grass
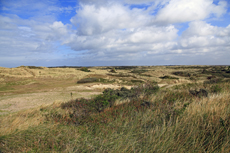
(176, 121)
(20, 121)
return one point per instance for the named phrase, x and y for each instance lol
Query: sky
(114, 32)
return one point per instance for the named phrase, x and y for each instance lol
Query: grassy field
(115, 109)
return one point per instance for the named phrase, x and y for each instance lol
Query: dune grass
(176, 121)
(143, 119)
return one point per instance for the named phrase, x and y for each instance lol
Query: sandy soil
(49, 85)
(14, 103)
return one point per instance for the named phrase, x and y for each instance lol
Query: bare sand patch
(19, 102)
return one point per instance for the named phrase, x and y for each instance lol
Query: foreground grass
(174, 121)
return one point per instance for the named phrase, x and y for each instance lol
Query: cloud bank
(147, 32)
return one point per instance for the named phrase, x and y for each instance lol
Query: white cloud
(201, 34)
(25, 37)
(111, 31)
(178, 11)
(92, 20)
(127, 42)
(114, 31)
(201, 28)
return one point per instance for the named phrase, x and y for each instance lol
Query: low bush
(216, 89)
(80, 109)
(168, 77)
(139, 71)
(201, 93)
(137, 81)
(192, 78)
(125, 67)
(34, 67)
(211, 77)
(122, 75)
(214, 81)
(113, 70)
(85, 69)
(88, 80)
(146, 75)
(181, 73)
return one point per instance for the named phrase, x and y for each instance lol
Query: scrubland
(115, 109)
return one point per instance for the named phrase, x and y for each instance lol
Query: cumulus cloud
(178, 11)
(92, 20)
(25, 37)
(109, 30)
(30, 27)
(120, 44)
(202, 34)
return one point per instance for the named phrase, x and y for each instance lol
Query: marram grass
(173, 123)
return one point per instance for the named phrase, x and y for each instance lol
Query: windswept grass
(166, 120)
(142, 119)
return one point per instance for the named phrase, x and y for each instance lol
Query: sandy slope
(19, 102)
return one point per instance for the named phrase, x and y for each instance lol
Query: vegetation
(91, 80)
(168, 77)
(180, 73)
(122, 75)
(85, 69)
(88, 80)
(34, 67)
(113, 70)
(186, 117)
(139, 71)
(125, 67)
(137, 81)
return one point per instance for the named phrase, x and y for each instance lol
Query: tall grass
(174, 121)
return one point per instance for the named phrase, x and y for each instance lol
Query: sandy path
(14, 103)
(26, 101)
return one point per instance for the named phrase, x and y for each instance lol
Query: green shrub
(201, 93)
(168, 77)
(213, 81)
(146, 89)
(139, 71)
(85, 69)
(211, 77)
(137, 81)
(34, 67)
(181, 73)
(192, 78)
(88, 80)
(146, 75)
(216, 89)
(103, 101)
(113, 70)
(80, 109)
(122, 93)
(122, 75)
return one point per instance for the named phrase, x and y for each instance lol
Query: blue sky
(114, 32)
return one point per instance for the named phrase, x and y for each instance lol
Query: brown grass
(177, 122)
